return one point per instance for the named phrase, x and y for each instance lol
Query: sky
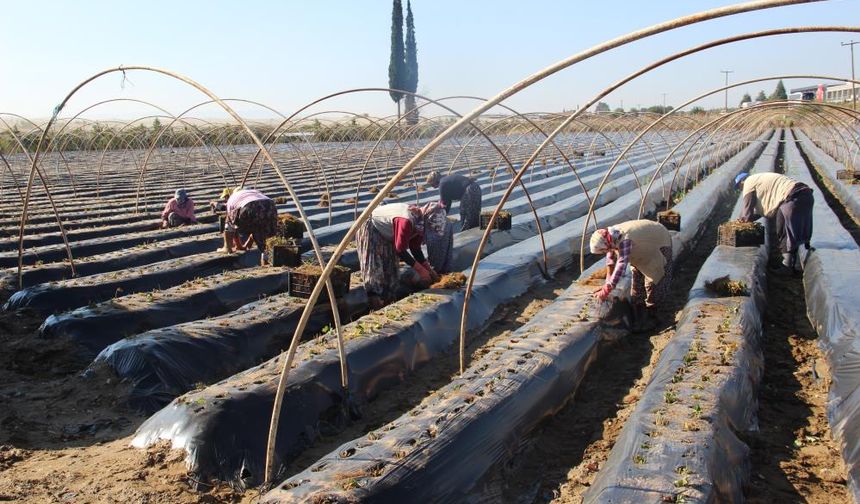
(286, 54)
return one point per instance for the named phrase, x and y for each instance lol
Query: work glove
(423, 273)
(603, 293)
(433, 275)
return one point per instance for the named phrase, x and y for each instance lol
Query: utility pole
(853, 90)
(664, 102)
(727, 72)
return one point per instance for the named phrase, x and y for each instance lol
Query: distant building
(832, 93)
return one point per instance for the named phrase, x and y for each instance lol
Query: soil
(793, 456)
(560, 461)
(450, 281)
(64, 438)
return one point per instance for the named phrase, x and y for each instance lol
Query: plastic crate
(731, 234)
(503, 221)
(285, 255)
(302, 284)
(671, 220)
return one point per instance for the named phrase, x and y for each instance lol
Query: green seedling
(670, 397)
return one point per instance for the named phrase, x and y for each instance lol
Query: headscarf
(740, 178)
(433, 178)
(181, 196)
(435, 217)
(416, 216)
(604, 240)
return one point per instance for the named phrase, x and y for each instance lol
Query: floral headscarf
(435, 217)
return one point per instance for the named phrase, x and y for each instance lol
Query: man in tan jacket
(646, 247)
(790, 202)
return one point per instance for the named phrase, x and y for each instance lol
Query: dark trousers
(794, 220)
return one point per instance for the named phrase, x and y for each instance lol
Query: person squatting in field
(179, 210)
(249, 213)
(464, 189)
(790, 202)
(396, 232)
(646, 247)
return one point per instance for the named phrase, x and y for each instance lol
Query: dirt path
(561, 461)
(793, 456)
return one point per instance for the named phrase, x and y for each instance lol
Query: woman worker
(466, 190)
(647, 248)
(250, 212)
(395, 232)
(179, 210)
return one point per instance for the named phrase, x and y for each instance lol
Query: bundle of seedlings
(503, 220)
(290, 226)
(670, 219)
(741, 234)
(283, 251)
(725, 287)
(450, 281)
(305, 277)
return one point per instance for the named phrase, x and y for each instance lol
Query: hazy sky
(288, 53)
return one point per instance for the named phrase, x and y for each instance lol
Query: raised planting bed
(680, 444)
(421, 327)
(162, 364)
(55, 297)
(670, 219)
(141, 255)
(304, 278)
(740, 234)
(463, 429)
(503, 220)
(471, 425)
(283, 252)
(93, 246)
(91, 328)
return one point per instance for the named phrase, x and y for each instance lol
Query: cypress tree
(410, 81)
(397, 62)
(779, 93)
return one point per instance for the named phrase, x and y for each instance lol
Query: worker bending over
(466, 190)
(773, 195)
(396, 232)
(646, 247)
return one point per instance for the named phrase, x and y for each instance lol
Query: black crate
(285, 255)
(730, 234)
(670, 220)
(849, 175)
(503, 220)
(302, 284)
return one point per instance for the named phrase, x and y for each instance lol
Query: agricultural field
(142, 363)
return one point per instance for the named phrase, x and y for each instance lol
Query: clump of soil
(597, 278)
(373, 189)
(450, 281)
(280, 200)
(724, 287)
(391, 195)
(349, 201)
(325, 200)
